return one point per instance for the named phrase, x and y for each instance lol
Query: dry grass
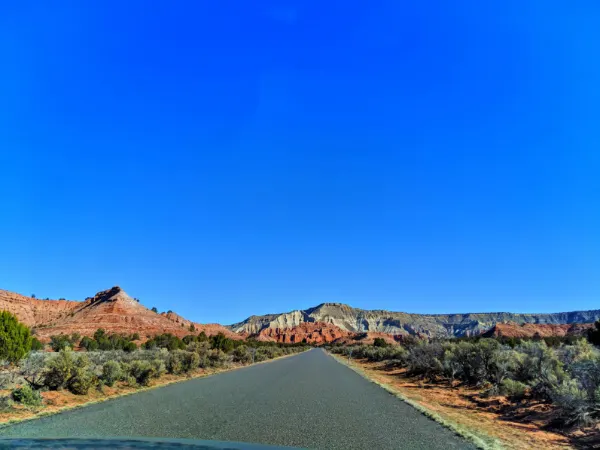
(491, 423)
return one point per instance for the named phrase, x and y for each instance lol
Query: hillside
(528, 330)
(112, 310)
(398, 323)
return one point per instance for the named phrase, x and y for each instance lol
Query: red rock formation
(309, 332)
(112, 310)
(529, 330)
(369, 338)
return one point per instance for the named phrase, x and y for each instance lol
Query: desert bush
(89, 344)
(15, 338)
(221, 342)
(158, 368)
(515, 390)
(425, 360)
(33, 369)
(6, 403)
(594, 334)
(71, 371)
(59, 370)
(166, 340)
(175, 362)
(111, 372)
(580, 350)
(575, 406)
(379, 342)
(26, 396)
(540, 368)
(60, 342)
(141, 371)
(217, 358)
(200, 347)
(587, 374)
(82, 379)
(36, 345)
(130, 381)
(242, 355)
(190, 361)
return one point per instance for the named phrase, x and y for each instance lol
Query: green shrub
(36, 345)
(515, 390)
(242, 355)
(158, 368)
(89, 344)
(60, 342)
(15, 338)
(174, 363)
(541, 369)
(26, 396)
(379, 342)
(166, 340)
(141, 371)
(130, 347)
(111, 372)
(59, 370)
(199, 347)
(221, 342)
(130, 381)
(594, 334)
(190, 361)
(82, 379)
(575, 407)
(6, 403)
(217, 358)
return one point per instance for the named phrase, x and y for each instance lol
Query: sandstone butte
(530, 330)
(113, 310)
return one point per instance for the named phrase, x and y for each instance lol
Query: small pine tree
(379, 342)
(32, 295)
(594, 335)
(36, 345)
(15, 338)
(154, 309)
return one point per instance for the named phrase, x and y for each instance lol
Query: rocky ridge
(357, 320)
(112, 310)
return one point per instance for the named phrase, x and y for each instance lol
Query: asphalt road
(308, 400)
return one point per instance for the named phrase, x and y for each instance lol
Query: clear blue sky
(224, 160)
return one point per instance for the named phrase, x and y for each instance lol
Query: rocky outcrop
(368, 338)
(112, 310)
(311, 333)
(398, 323)
(529, 330)
(33, 312)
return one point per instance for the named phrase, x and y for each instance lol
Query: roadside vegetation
(112, 360)
(561, 372)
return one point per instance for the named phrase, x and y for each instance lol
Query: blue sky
(223, 159)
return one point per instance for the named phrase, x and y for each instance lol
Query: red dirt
(112, 310)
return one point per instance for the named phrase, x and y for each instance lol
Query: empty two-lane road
(307, 400)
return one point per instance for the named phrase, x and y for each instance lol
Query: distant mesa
(397, 324)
